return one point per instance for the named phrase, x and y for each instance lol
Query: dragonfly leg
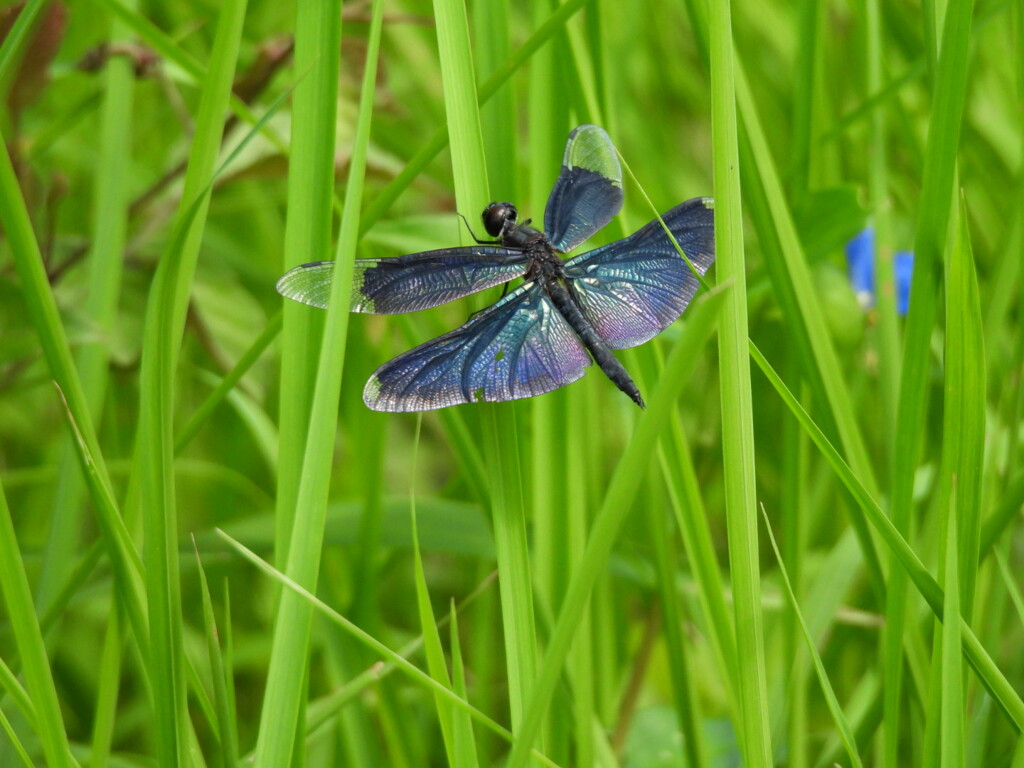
(473, 234)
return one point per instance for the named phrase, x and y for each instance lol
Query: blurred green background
(849, 116)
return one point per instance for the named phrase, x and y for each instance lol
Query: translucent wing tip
(589, 146)
(308, 283)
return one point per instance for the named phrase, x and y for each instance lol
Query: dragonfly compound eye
(497, 216)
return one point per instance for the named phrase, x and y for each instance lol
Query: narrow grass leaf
(398, 660)
(616, 505)
(963, 430)
(684, 693)
(989, 674)
(307, 235)
(952, 698)
(737, 407)
(798, 299)
(845, 732)
(105, 717)
(501, 445)
(16, 38)
(937, 193)
(691, 518)
(105, 264)
(288, 662)
(45, 318)
(436, 664)
(223, 720)
(1011, 586)
(462, 725)
(165, 324)
(10, 685)
(12, 736)
(49, 721)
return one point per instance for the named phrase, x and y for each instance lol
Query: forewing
(632, 289)
(520, 347)
(408, 283)
(588, 192)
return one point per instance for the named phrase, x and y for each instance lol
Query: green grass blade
(684, 695)
(224, 720)
(930, 235)
(845, 732)
(615, 506)
(501, 447)
(165, 325)
(307, 236)
(288, 662)
(963, 431)
(106, 699)
(49, 721)
(798, 298)
(989, 674)
(737, 407)
(10, 685)
(45, 318)
(12, 735)
(490, 86)
(428, 626)
(398, 660)
(105, 262)
(462, 731)
(932, 221)
(15, 40)
(952, 698)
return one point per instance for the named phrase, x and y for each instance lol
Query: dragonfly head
(499, 218)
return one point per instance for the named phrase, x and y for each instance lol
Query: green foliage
(564, 581)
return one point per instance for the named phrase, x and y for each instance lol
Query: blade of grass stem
(45, 318)
(501, 444)
(12, 736)
(105, 257)
(399, 661)
(615, 506)
(989, 674)
(932, 221)
(14, 42)
(165, 323)
(963, 430)
(737, 408)
(845, 732)
(462, 725)
(224, 721)
(684, 693)
(288, 661)
(307, 234)
(428, 624)
(48, 721)
(952, 710)
(105, 716)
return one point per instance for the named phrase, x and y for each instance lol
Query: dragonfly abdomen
(597, 347)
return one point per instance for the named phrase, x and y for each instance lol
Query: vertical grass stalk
(737, 408)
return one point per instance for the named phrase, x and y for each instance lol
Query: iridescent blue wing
(520, 347)
(588, 192)
(634, 288)
(408, 283)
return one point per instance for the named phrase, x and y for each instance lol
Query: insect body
(543, 334)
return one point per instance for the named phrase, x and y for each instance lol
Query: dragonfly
(566, 314)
